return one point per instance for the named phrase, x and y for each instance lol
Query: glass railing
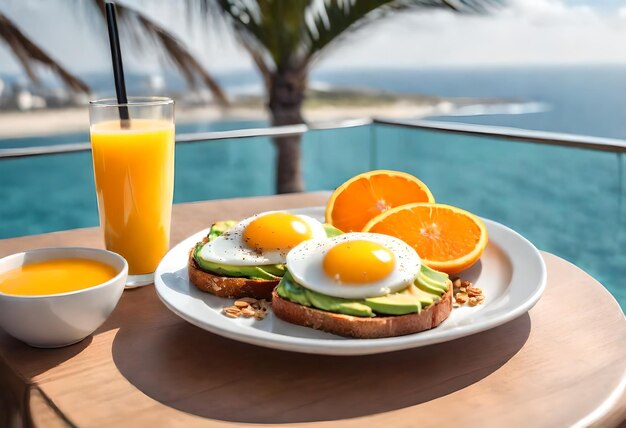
(567, 200)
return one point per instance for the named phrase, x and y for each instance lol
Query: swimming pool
(570, 202)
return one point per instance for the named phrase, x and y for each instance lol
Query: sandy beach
(15, 124)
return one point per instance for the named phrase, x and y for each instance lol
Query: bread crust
(224, 286)
(361, 327)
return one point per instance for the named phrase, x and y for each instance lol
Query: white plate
(511, 273)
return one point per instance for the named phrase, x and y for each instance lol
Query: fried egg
(262, 239)
(354, 265)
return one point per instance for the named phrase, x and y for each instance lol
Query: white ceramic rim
(120, 274)
(364, 346)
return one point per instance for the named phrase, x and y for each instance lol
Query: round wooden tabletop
(562, 364)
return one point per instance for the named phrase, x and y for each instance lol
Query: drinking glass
(133, 163)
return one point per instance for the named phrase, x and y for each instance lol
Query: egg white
(305, 263)
(230, 248)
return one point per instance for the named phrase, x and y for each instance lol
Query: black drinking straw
(118, 68)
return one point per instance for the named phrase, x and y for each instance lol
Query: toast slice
(229, 287)
(361, 327)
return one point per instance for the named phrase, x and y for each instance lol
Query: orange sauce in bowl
(55, 276)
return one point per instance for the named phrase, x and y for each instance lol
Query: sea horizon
(578, 99)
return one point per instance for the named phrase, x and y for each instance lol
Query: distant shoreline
(41, 123)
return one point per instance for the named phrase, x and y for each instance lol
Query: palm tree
(29, 54)
(138, 28)
(285, 39)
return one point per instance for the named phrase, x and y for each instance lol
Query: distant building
(25, 100)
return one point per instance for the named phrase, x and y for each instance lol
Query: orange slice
(447, 238)
(366, 195)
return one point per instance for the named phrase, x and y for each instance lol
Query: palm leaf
(28, 54)
(291, 34)
(140, 30)
(330, 23)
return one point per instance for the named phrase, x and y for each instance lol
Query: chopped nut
(474, 291)
(248, 312)
(472, 301)
(480, 298)
(466, 284)
(463, 290)
(232, 314)
(232, 311)
(248, 307)
(461, 298)
(456, 282)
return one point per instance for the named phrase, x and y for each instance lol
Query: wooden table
(563, 363)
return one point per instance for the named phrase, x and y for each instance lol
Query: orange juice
(55, 277)
(134, 172)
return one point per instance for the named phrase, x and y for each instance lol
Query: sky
(527, 32)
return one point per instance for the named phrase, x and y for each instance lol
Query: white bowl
(55, 320)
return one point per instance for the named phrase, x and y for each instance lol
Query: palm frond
(245, 19)
(29, 54)
(291, 34)
(329, 24)
(140, 29)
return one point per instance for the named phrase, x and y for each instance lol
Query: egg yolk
(358, 262)
(276, 232)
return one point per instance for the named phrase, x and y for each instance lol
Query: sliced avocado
(219, 228)
(331, 230)
(433, 274)
(252, 272)
(440, 285)
(424, 292)
(424, 297)
(395, 304)
(321, 301)
(276, 270)
(290, 290)
(338, 305)
(355, 308)
(427, 286)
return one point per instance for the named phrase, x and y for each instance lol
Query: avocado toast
(361, 285)
(422, 306)
(235, 281)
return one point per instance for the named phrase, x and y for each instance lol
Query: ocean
(586, 100)
(570, 202)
